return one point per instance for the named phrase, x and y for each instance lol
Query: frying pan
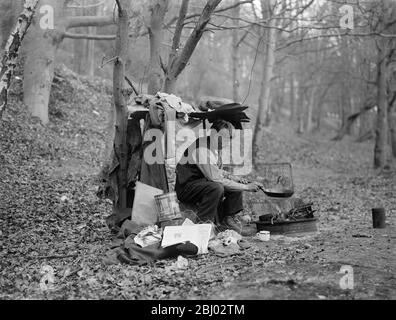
(277, 193)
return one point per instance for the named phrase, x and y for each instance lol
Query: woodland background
(321, 96)
(292, 59)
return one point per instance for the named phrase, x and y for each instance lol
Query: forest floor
(50, 215)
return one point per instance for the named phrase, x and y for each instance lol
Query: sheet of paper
(197, 234)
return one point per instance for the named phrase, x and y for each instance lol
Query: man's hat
(231, 112)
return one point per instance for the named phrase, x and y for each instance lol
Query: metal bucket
(167, 206)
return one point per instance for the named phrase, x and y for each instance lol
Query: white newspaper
(197, 234)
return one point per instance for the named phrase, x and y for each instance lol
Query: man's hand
(243, 181)
(253, 187)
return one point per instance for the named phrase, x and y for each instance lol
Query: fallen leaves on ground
(52, 220)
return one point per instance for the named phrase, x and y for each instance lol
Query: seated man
(200, 180)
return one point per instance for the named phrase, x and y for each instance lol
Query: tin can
(378, 218)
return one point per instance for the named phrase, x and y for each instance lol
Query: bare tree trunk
(279, 101)
(235, 54)
(11, 53)
(320, 103)
(91, 44)
(91, 54)
(80, 45)
(392, 128)
(310, 107)
(265, 90)
(292, 99)
(300, 109)
(40, 48)
(120, 138)
(352, 108)
(263, 115)
(158, 9)
(79, 50)
(382, 105)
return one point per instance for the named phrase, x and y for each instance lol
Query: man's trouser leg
(208, 195)
(232, 204)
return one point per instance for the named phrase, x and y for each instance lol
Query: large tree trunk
(320, 103)
(300, 109)
(268, 67)
(40, 50)
(80, 45)
(11, 53)
(91, 43)
(345, 107)
(392, 128)
(158, 9)
(292, 99)
(120, 138)
(79, 52)
(235, 54)
(263, 115)
(310, 108)
(91, 54)
(279, 101)
(382, 105)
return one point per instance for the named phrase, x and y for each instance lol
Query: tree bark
(263, 115)
(392, 128)
(11, 53)
(158, 9)
(120, 138)
(382, 106)
(91, 44)
(40, 48)
(79, 48)
(310, 108)
(320, 105)
(300, 109)
(235, 54)
(79, 45)
(292, 99)
(91, 54)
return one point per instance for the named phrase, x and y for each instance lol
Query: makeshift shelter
(168, 114)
